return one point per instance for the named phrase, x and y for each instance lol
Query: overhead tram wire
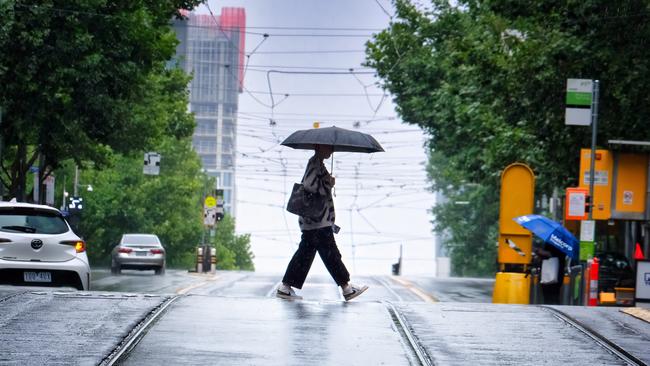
(289, 234)
(274, 104)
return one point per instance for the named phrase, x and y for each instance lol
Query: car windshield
(32, 221)
(140, 240)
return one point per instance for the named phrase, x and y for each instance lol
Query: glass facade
(211, 49)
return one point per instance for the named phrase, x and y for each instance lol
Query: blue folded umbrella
(552, 233)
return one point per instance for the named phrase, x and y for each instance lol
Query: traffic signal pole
(594, 132)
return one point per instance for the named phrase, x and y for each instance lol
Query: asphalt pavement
(231, 331)
(46, 327)
(234, 318)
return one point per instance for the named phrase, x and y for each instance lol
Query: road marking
(416, 290)
(185, 290)
(639, 313)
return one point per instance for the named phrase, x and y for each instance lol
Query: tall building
(212, 49)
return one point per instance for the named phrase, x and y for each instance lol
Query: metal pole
(76, 179)
(594, 131)
(63, 195)
(2, 186)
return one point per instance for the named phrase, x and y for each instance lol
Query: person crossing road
(318, 235)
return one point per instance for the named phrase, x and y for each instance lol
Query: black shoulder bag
(305, 204)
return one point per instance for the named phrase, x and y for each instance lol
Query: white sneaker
(287, 293)
(351, 291)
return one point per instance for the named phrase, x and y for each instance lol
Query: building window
(227, 180)
(227, 196)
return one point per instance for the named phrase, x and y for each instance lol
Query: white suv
(38, 247)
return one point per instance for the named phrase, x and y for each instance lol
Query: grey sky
(387, 203)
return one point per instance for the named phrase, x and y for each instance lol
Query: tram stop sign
(210, 202)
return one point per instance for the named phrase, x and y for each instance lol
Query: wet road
(233, 318)
(456, 289)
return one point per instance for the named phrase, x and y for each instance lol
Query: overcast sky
(381, 199)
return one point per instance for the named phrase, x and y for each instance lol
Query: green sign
(587, 250)
(578, 102)
(578, 98)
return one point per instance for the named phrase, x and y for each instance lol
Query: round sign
(210, 201)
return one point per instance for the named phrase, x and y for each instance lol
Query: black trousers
(321, 240)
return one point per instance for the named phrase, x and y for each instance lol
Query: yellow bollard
(511, 288)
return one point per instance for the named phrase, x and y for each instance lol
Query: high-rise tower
(212, 49)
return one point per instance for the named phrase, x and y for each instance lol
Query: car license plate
(37, 276)
(140, 254)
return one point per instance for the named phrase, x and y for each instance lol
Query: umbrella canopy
(339, 138)
(552, 233)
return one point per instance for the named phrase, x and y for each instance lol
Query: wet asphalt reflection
(234, 318)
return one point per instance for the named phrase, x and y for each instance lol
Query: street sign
(151, 163)
(210, 202)
(576, 200)
(76, 204)
(578, 102)
(587, 239)
(209, 216)
(642, 290)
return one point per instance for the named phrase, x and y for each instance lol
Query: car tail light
(79, 245)
(124, 250)
(157, 251)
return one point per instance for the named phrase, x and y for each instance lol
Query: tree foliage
(486, 80)
(77, 78)
(124, 200)
(233, 251)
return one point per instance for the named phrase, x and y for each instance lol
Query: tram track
(596, 337)
(12, 295)
(416, 353)
(121, 352)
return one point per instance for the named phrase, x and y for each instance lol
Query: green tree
(76, 79)
(233, 251)
(486, 80)
(124, 200)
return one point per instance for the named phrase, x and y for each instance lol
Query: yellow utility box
(511, 288)
(517, 199)
(604, 167)
(630, 182)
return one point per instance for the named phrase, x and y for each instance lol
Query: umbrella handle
(332, 172)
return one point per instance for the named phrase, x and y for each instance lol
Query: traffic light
(219, 213)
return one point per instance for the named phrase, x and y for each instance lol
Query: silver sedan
(138, 251)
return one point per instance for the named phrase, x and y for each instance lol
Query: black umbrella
(339, 138)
